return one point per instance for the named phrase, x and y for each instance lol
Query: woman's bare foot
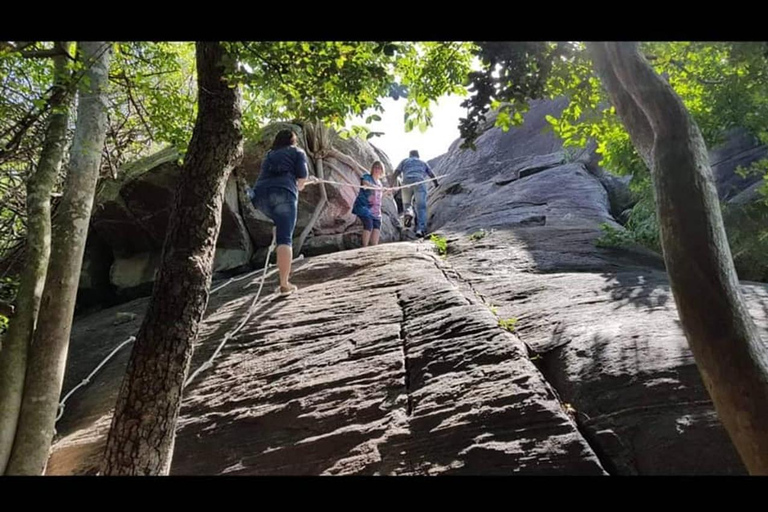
(286, 290)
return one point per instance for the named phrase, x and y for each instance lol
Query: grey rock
(380, 364)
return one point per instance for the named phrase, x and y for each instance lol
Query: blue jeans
(420, 191)
(281, 206)
(370, 223)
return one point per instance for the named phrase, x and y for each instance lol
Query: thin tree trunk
(141, 437)
(13, 356)
(318, 134)
(48, 351)
(318, 209)
(726, 344)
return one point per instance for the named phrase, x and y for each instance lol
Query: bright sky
(434, 142)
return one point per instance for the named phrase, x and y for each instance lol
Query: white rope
(230, 334)
(313, 180)
(87, 380)
(250, 274)
(207, 364)
(272, 272)
(236, 279)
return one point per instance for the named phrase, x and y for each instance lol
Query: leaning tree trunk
(48, 351)
(142, 435)
(13, 356)
(726, 344)
(319, 136)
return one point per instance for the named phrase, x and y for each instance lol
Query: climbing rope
(227, 337)
(236, 279)
(247, 317)
(314, 180)
(87, 380)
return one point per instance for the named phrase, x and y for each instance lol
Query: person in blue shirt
(276, 193)
(414, 170)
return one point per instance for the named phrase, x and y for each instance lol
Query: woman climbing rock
(276, 193)
(368, 204)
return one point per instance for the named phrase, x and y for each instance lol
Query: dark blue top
(362, 206)
(413, 169)
(281, 168)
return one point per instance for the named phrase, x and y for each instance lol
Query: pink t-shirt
(375, 200)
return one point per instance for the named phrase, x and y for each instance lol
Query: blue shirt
(413, 169)
(282, 167)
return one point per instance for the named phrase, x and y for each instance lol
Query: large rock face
(381, 364)
(745, 211)
(739, 150)
(392, 360)
(601, 323)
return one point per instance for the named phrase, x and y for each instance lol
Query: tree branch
(679, 65)
(7, 309)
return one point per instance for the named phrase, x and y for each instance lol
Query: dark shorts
(280, 205)
(370, 223)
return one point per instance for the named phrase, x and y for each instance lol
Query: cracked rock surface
(380, 364)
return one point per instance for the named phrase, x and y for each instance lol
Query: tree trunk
(731, 357)
(142, 434)
(320, 136)
(13, 356)
(48, 351)
(318, 209)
